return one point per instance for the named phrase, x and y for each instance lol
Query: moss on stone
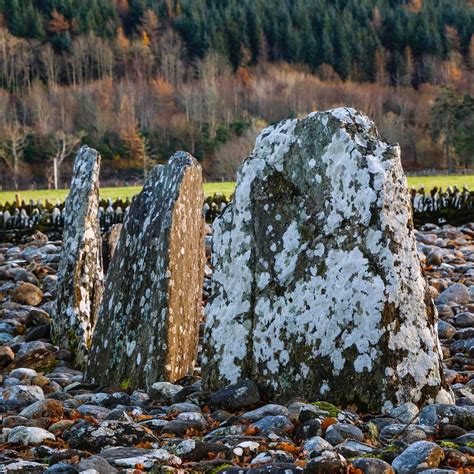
(449, 444)
(221, 468)
(329, 407)
(125, 384)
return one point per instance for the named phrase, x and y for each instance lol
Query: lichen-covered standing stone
(148, 323)
(317, 288)
(80, 276)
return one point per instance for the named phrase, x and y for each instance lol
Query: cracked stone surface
(317, 287)
(80, 275)
(149, 320)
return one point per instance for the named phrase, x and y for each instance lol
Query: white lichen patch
(336, 284)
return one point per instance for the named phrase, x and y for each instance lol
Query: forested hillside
(140, 78)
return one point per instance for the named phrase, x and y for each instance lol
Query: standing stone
(148, 322)
(109, 244)
(80, 277)
(317, 288)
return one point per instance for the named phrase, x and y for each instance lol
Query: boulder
(148, 323)
(317, 289)
(80, 276)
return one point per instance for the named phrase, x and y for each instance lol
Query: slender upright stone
(317, 288)
(80, 277)
(148, 323)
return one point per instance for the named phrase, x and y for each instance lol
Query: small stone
(434, 258)
(40, 380)
(235, 397)
(94, 411)
(62, 468)
(129, 457)
(450, 431)
(35, 355)
(28, 294)
(23, 373)
(351, 448)
(311, 411)
(446, 330)
(269, 424)
(44, 408)
(337, 433)
(437, 414)
(26, 435)
(177, 408)
(164, 390)
(308, 429)
(96, 464)
(405, 413)
(6, 356)
(456, 293)
(445, 311)
(27, 467)
(37, 317)
(408, 434)
(191, 450)
(23, 394)
(60, 426)
(317, 445)
(93, 438)
(464, 320)
(328, 462)
(373, 466)
(266, 410)
(196, 418)
(422, 454)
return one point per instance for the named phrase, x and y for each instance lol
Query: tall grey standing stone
(148, 323)
(80, 276)
(317, 289)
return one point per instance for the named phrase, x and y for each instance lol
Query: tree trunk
(55, 172)
(15, 168)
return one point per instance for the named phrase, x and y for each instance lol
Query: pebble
(422, 454)
(405, 413)
(337, 433)
(23, 394)
(27, 435)
(456, 293)
(235, 397)
(27, 293)
(164, 390)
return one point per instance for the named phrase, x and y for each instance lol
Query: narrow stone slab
(317, 288)
(148, 323)
(80, 276)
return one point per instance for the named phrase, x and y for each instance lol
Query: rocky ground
(53, 422)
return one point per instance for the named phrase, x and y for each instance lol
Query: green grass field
(227, 188)
(52, 195)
